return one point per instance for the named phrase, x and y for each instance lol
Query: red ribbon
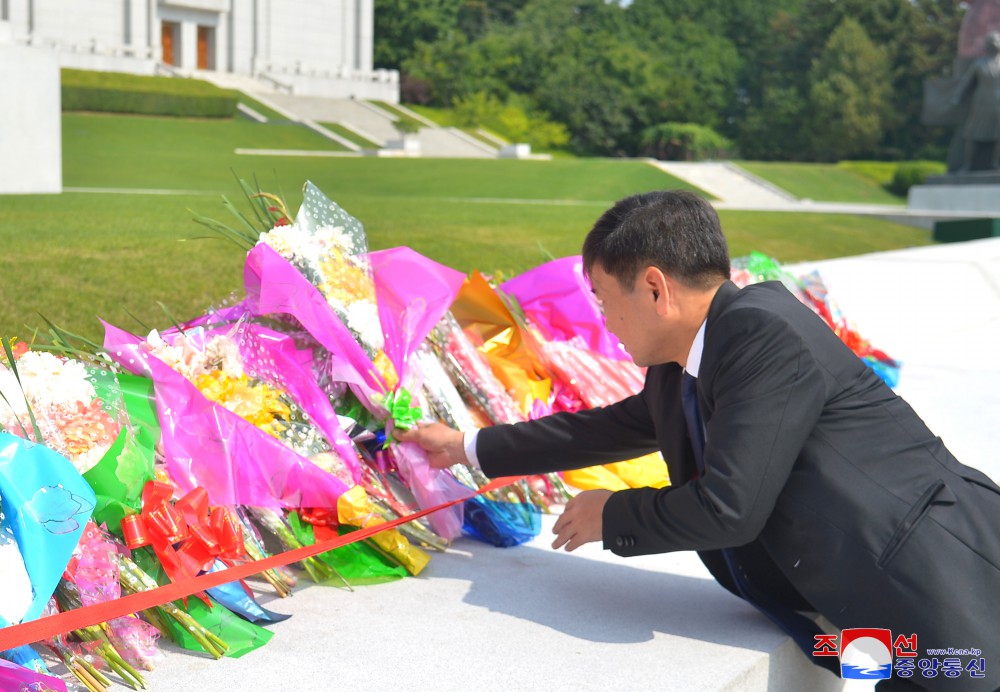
(13, 636)
(187, 536)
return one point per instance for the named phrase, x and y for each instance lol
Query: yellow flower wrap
(355, 509)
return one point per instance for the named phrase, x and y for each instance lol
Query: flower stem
(134, 579)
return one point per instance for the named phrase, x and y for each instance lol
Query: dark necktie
(797, 626)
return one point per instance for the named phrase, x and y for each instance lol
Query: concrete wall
(103, 20)
(979, 198)
(30, 125)
(382, 85)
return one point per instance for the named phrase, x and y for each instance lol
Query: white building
(306, 47)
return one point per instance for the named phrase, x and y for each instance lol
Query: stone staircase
(361, 117)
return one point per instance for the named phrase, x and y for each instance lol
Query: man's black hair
(674, 230)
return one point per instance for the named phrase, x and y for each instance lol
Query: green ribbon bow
(401, 412)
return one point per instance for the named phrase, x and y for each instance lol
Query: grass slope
(76, 256)
(822, 182)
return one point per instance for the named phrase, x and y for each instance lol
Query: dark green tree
(849, 95)
(401, 24)
(758, 71)
(919, 38)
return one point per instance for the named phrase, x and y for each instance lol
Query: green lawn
(799, 237)
(76, 256)
(822, 182)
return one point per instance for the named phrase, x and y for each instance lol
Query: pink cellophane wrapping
(206, 445)
(431, 487)
(557, 297)
(15, 677)
(94, 571)
(596, 379)
(272, 356)
(274, 286)
(412, 292)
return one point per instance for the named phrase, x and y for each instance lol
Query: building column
(365, 40)
(153, 32)
(222, 43)
(188, 53)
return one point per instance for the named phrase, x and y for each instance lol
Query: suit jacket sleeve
(568, 440)
(761, 394)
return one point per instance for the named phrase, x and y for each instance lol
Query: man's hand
(444, 446)
(582, 520)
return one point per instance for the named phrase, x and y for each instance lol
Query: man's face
(627, 314)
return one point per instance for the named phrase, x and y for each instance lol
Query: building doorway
(170, 40)
(206, 47)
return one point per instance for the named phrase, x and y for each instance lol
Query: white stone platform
(486, 618)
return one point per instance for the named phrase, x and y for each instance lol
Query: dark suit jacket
(836, 495)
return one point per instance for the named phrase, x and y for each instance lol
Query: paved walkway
(728, 183)
(737, 189)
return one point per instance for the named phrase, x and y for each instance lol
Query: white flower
(50, 380)
(181, 356)
(363, 320)
(333, 238)
(155, 340)
(12, 400)
(224, 352)
(295, 245)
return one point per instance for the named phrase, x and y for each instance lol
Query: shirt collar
(694, 355)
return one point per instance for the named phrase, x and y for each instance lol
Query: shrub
(514, 120)
(684, 142)
(114, 92)
(910, 173)
(879, 172)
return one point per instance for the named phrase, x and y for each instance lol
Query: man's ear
(655, 284)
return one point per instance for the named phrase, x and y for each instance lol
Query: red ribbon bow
(324, 522)
(187, 536)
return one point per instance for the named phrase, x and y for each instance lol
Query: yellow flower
(258, 404)
(387, 370)
(344, 281)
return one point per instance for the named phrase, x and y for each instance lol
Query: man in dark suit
(802, 480)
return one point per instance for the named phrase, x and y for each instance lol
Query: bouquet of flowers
(811, 291)
(557, 299)
(44, 505)
(369, 312)
(503, 339)
(265, 389)
(586, 363)
(472, 375)
(243, 454)
(92, 577)
(54, 400)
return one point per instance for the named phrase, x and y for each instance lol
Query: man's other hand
(582, 520)
(444, 446)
